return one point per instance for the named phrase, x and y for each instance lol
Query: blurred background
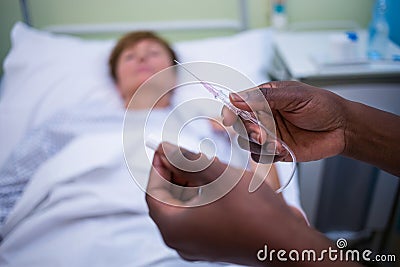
(54, 12)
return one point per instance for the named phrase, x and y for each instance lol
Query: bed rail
(179, 25)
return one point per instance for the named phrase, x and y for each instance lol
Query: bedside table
(295, 53)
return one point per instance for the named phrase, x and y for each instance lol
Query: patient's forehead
(145, 42)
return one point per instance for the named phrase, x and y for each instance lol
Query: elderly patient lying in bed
(67, 197)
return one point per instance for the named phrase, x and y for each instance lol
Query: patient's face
(139, 62)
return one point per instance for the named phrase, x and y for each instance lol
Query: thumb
(300, 215)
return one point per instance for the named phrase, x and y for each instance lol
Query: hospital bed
(80, 206)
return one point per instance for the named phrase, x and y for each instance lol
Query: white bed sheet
(81, 206)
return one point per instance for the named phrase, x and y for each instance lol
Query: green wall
(45, 12)
(313, 10)
(9, 14)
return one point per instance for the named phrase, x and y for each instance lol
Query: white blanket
(81, 206)
(83, 209)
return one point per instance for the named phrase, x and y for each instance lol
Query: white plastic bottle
(278, 14)
(378, 39)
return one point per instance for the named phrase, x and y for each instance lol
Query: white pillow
(41, 65)
(249, 52)
(45, 73)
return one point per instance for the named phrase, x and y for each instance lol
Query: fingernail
(223, 121)
(223, 118)
(236, 97)
(168, 148)
(254, 137)
(164, 159)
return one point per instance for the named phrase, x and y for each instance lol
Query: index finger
(251, 100)
(228, 116)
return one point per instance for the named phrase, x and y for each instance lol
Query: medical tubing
(288, 149)
(294, 161)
